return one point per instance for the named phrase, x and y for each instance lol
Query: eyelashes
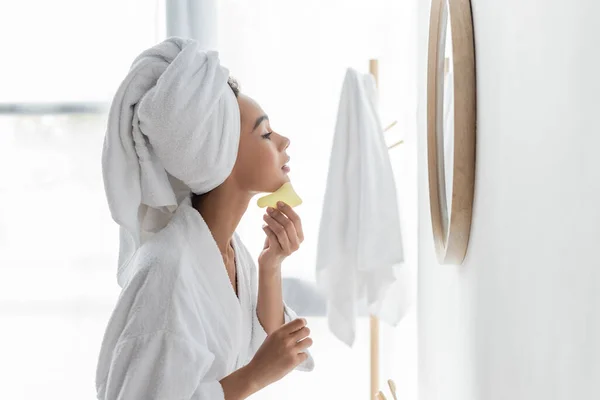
(267, 135)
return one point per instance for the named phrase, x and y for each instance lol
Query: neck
(222, 209)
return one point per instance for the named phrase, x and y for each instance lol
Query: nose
(285, 141)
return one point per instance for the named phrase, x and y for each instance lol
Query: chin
(285, 179)
(271, 182)
(277, 183)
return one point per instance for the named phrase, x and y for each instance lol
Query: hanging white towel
(360, 241)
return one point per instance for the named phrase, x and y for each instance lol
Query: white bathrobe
(178, 327)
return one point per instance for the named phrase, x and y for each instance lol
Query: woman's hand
(280, 353)
(284, 235)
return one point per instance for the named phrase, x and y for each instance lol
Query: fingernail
(280, 204)
(270, 210)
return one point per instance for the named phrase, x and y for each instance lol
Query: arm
(284, 235)
(259, 332)
(240, 384)
(269, 306)
(282, 351)
(162, 365)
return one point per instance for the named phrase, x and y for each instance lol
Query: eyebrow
(259, 120)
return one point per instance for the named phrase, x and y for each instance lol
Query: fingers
(291, 214)
(280, 233)
(301, 358)
(287, 227)
(286, 222)
(294, 326)
(284, 229)
(304, 344)
(271, 236)
(301, 334)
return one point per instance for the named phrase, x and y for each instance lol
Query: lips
(285, 167)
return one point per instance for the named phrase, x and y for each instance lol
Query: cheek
(261, 153)
(256, 157)
(268, 157)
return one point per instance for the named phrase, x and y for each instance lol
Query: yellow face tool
(285, 193)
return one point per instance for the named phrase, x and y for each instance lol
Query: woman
(183, 155)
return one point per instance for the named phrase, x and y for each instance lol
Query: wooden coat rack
(374, 321)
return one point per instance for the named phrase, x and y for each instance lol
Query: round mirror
(445, 117)
(451, 127)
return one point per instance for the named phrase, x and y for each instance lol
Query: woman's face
(261, 161)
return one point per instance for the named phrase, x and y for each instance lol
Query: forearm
(269, 307)
(240, 384)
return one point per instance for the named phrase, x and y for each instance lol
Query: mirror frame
(451, 243)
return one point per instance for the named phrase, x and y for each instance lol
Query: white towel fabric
(173, 127)
(360, 240)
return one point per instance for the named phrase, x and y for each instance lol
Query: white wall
(520, 319)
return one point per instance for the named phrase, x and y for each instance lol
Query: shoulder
(157, 260)
(155, 288)
(157, 299)
(163, 252)
(163, 249)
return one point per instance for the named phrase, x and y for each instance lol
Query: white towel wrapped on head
(173, 128)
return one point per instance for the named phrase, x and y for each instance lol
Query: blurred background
(62, 62)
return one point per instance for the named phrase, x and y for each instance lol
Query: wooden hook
(398, 143)
(390, 126)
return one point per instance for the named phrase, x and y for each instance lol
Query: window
(62, 62)
(57, 255)
(72, 50)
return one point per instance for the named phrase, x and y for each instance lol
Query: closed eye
(267, 135)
